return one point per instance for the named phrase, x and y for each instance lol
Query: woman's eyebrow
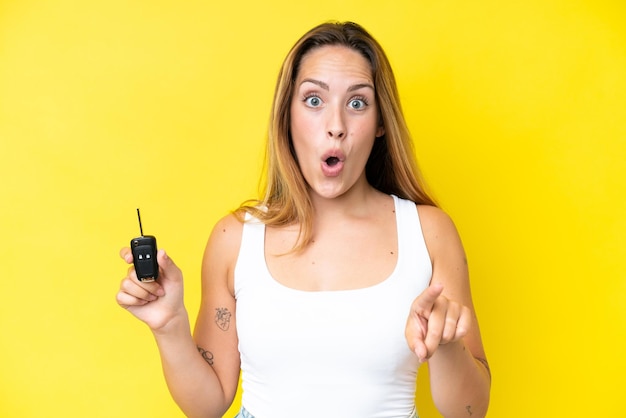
(360, 86)
(316, 82)
(325, 86)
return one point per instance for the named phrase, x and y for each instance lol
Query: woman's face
(334, 119)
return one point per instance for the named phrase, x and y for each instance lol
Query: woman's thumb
(167, 265)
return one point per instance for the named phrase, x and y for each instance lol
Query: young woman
(329, 292)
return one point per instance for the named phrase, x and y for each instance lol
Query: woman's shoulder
(433, 215)
(440, 232)
(228, 229)
(225, 238)
(221, 252)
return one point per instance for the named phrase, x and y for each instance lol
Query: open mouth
(332, 161)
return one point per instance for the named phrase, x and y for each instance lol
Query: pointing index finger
(427, 299)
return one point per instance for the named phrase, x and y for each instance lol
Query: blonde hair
(391, 167)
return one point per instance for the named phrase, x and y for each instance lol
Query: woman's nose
(336, 127)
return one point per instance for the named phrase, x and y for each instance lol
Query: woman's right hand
(155, 303)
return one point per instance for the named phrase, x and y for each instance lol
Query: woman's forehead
(333, 61)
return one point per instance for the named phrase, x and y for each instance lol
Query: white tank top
(329, 353)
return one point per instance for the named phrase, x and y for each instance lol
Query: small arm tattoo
(469, 410)
(206, 355)
(222, 318)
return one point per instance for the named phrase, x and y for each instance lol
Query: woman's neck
(357, 202)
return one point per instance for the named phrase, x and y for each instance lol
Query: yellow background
(518, 112)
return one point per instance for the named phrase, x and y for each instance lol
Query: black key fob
(144, 249)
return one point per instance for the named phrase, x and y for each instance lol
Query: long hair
(391, 167)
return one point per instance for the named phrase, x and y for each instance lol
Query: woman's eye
(313, 101)
(357, 104)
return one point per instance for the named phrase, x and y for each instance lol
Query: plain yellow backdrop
(517, 109)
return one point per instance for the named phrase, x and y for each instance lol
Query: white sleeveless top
(329, 354)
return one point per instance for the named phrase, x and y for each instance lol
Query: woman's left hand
(435, 320)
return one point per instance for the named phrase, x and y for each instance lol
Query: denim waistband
(245, 414)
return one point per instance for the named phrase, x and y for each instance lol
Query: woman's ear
(380, 131)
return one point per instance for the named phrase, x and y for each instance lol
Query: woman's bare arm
(444, 324)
